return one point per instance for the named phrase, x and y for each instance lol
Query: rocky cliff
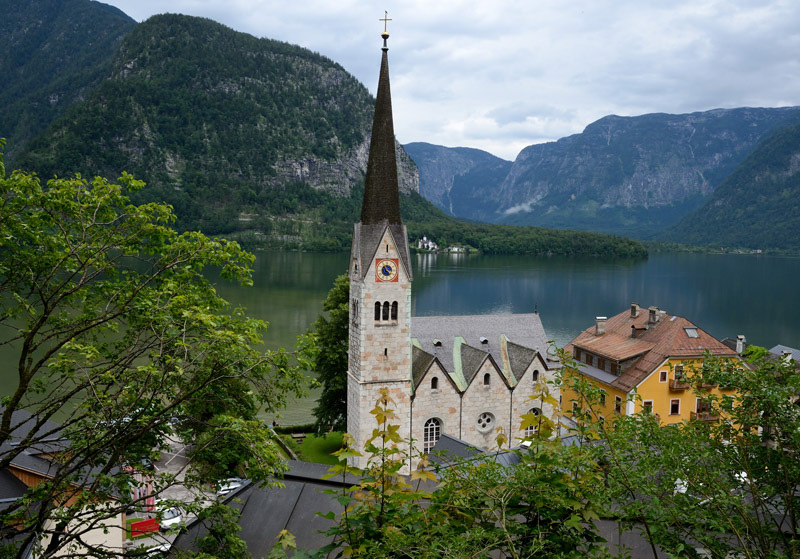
(452, 178)
(757, 206)
(626, 175)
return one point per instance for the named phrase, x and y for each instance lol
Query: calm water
(724, 294)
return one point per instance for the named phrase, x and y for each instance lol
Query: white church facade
(466, 376)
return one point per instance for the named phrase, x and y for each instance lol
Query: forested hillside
(252, 138)
(758, 205)
(54, 53)
(215, 121)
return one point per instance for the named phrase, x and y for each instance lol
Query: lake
(726, 295)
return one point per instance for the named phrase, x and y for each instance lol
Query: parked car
(170, 518)
(229, 486)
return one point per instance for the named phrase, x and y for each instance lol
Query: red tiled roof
(666, 339)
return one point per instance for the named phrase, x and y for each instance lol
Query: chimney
(786, 355)
(653, 316)
(633, 331)
(740, 341)
(600, 325)
(634, 310)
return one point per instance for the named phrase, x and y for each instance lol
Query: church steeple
(381, 196)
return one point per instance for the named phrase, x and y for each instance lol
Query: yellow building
(638, 358)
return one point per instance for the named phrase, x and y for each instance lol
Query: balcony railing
(678, 384)
(704, 416)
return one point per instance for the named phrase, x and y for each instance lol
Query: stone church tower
(380, 285)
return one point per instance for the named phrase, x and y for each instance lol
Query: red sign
(143, 527)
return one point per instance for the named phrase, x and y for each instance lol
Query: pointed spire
(381, 195)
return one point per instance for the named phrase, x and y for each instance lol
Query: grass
(320, 448)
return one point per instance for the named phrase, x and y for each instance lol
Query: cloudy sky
(501, 75)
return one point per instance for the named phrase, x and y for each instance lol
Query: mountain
(631, 176)
(757, 206)
(54, 53)
(216, 121)
(256, 139)
(456, 179)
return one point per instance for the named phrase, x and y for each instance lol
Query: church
(464, 376)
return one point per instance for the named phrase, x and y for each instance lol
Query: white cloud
(502, 75)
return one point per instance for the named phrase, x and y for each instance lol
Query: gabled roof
(471, 360)
(519, 359)
(367, 239)
(420, 363)
(524, 330)
(779, 349)
(461, 349)
(654, 343)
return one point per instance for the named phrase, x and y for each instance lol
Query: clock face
(386, 269)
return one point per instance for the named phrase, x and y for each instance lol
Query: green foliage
(327, 344)
(545, 506)
(117, 334)
(206, 115)
(726, 482)
(222, 539)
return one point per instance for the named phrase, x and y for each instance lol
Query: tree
(327, 345)
(542, 506)
(725, 481)
(117, 338)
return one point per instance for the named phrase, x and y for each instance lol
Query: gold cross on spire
(385, 19)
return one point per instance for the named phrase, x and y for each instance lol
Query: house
(427, 244)
(43, 459)
(638, 358)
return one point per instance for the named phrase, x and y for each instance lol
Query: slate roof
(448, 447)
(366, 239)
(294, 507)
(471, 360)
(512, 343)
(655, 343)
(779, 349)
(381, 193)
(34, 457)
(11, 488)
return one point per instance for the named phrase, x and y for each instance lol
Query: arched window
(431, 434)
(394, 310)
(386, 310)
(487, 378)
(535, 375)
(377, 311)
(531, 430)
(435, 383)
